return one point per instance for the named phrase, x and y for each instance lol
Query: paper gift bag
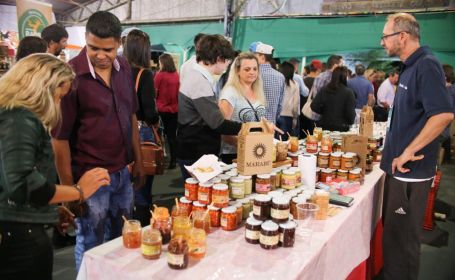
(366, 122)
(359, 145)
(254, 149)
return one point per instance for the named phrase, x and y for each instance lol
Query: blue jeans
(143, 196)
(103, 220)
(285, 124)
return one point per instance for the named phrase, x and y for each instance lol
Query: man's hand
(65, 219)
(138, 175)
(400, 161)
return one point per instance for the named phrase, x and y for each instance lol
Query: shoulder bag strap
(138, 78)
(254, 110)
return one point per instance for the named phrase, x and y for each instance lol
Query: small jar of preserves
(312, 144)
(294, 202)
(185, 205)
(247, 207)
(335, 160)
(277, 182)
(263, 183)
(369, 164)
(327, 175)
(318, 174)
(131, 234)
(377, 155)
(177, 255)
(224, 179)
(347, 161)
(281, 151)
(238, 211)
(298, 175)
(215, 216)
(197, 243)
(191, 189)
(287, 234)
(237, 186)
(293, 144)
(198, 206)
(220, 195)
(229, 218)
(201, 220)
(204, 195)
(151, 244)
(164, 225)
(261, 207)
(280, 209)
(342, 174)
(354, 175)
(181, 226)
(337, 147)
(323, 160)
(326, 144)
(288, 179)
(248, 181)
(372, 144)
(317, 132)
(269, 236)
(294, 157)
(252, 230)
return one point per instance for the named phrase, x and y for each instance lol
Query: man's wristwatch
(81, 192)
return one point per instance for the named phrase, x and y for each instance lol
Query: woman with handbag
(290, 111)
(137, 52)
(29, 108)
(242, 99)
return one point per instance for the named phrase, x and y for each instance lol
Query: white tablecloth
(337, 247)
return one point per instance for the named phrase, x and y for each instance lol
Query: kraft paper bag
(357, 144)
(366, 122)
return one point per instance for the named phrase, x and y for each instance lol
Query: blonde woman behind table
(30, 94)
(244, 84)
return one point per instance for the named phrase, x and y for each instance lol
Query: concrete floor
(436, 263)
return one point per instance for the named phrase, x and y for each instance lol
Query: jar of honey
(317, 132)
(229, 218)
(191, 189)
(204, 193)
(327, 175)
(181, 226)
(220, 195)
(215, 216)
(377, 155)
(335, 160)
(248, 181)
(326, 144)
(197, 243)
(321, 199)
(263, 183)
(237, 185)
(347, 161)
(131, 234)
(177, 256)
(293, 144)
(288, 179)
(312, 144)
(269, 235)
(185, 205)
(323, 160)
(201, 220)
(372, 144)
(354, 175)
(281, 151)
(151, 244)
(342, 174)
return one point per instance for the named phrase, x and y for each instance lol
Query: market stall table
(338, 245)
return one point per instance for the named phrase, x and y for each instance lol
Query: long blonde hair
(234, 81)
(32, 84)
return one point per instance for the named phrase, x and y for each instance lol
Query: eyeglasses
(383, 37)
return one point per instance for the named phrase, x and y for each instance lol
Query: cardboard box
(366, 122)
(254, 149)
(356, 144)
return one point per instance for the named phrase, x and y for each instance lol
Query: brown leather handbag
(152, 153)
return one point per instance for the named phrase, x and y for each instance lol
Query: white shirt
(386, 93)
(186, 66)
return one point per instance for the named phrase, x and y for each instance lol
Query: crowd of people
(92, 114)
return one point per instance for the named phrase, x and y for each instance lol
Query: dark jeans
(228, 158)
(285, 124)
(403, 211)
(170, 129)
(182, 163)
(25, 252)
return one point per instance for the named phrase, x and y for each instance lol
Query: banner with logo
(33, 16)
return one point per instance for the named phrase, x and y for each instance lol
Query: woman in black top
(336, 103)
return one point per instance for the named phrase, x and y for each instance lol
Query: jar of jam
(237, 186)
(327, 175)
(347, 161)
(198, 206)
(269, 236)
(220, 195)
(288, 179)
(201, 220)
(151, 244)
(252, 230)
(229, 218)
(185, 205)
(204, 195)
(312, 144)
(191, 188)
(280, 209)
(323, 160)
(293, 144)
(177, 255)
(298, 175)
(335, 160)
(238, 211)
(342, 174)
(263, 183)
(369, 164)
(248, 181)
(247, 207)
(276, 183)
(224, 179)
(294, 202)
(215, 216)
(326, 144)
(197, 244)
(354, 175)
(321, 199)
(131, 234)
(287, 234)
(295, 158)
(164, 225)
(261, 207)
(318, 174)
(181, 226)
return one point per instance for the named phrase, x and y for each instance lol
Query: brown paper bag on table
(366, 122)
(254, 149)
(357, 144)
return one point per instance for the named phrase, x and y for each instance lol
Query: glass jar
(186, 205)
(269, 236)
(372, 144)
(181, 227)
(238, 211)
(281, 151)
(298, 175)
(248, 181)
(293, 144)
(220, 195)
(287, 234)
(177, 211)
(201, 220)
(317, 132)
(263, 184)
(164, 225)
(177, 255)
(312, 144)
(237, 186)
(377, 155)
(261, 207)
(335, 160)
(294, 202)
(198, 206)
(247, 207)
(318, 174)
(229, 218)
(288, 179)
(327, 175)
(252, 230)
(354, 175)
(323, 160)
(342, 174)
(369, 164)
(321, 199)
(280, 209)
(204, 195)
(197, 244)
(337, 147)
(131, 234)
(151, 243)
(277, 183)
(191, 188)
(224, 179)
(295, 158)
(347, 161)
(213, 181)
(215, 215)
(326, 144)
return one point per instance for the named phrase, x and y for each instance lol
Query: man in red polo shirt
(99, 128)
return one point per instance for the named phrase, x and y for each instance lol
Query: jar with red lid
(215, 216)
(263, 183)
(326, 144)
(204, 195)
(229, 218)
(269, 236)
(311, 144)
(185, 205)
(220, 195)
(191, 189)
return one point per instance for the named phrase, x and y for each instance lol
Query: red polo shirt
(167, 90)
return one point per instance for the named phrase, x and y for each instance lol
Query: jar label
(257, 210)
(288, 183)
(279, 214)
(311, 147)
(323, 161)
(281, 237)
(263, 187)
(335, 164)
(326, 148)
(248, 187)
(220, 199)
(238, 190)
(187, 193)
(224, 222)
(175, 259)
(150, 250)
(203, 196)
(269, 240)
(252, 234)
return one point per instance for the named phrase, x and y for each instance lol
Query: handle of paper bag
(247, 127)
